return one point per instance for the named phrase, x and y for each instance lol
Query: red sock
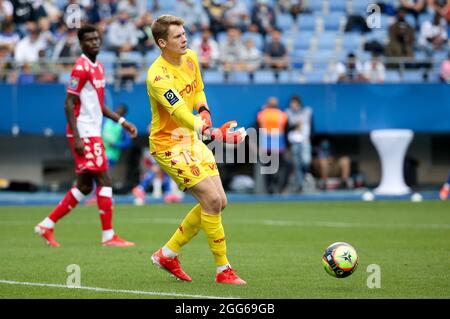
(104, 202)
(70, 200)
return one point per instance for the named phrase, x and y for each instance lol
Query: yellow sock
(212, 225)
(189, 227)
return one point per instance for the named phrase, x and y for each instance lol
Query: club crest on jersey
(171, 97)
(73, 83)
(190, 65)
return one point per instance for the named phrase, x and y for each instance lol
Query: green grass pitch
(275, 247)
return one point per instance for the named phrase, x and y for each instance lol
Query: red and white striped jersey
(87, 80)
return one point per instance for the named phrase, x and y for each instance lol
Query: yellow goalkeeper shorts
(188, 165)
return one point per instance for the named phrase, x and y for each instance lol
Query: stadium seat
(213, 76)
(332, 22)
(326, 41)
(306, 22)
(151, 56)
(264, 76)
(132, 56)
(316, 6)
(339, 7)
(359, 7)
(392, 76)
(351, 42)
(302, 40)
(379, 35)
(285, 21)
(413, 76)
(239, 77)
(315, 77)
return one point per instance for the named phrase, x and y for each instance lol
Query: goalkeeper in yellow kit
(175, 88)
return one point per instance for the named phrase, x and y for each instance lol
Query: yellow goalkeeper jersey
(170, 87)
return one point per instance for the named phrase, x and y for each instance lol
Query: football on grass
(340, 260)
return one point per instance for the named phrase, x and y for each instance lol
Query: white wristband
(121, 120)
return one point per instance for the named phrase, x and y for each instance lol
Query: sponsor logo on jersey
(99, 83)
(188, 88)
(171, 97)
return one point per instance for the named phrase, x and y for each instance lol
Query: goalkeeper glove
(205, 115)
(226, 133)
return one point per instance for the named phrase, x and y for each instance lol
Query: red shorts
(94, 157)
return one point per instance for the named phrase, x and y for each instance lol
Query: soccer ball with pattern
(340, 260)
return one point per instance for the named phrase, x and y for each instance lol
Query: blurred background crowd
(262, 41)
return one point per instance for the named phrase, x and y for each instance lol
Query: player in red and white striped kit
(85, 108)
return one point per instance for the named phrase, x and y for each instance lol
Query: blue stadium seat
(133, 56)
(213, 76)
(380, 35)
(315, 77)
(413, 76)
(332, 22)
(306, 22)
(316, 6)
(108, 59)
(239, 77)
(339, 6)
(151, 55)
(351, 41)
(392, 76)
(327, 41)
(359, 7)
(290, 76)
(302, 40)
(264, 76)
(285, 21)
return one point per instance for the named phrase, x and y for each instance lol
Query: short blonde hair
(160, 27)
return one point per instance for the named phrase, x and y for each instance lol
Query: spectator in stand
(275, 53)
(102, 10)
(374, 70)
(263, 17)
(130, 7)
(52, 11)
(215, 10)
(122, 34)
(299, 134)
(414, 7)
(23, 12)
(194, 15)
(237, 15)
(401, 37)
(6, 11)
(26, 76)
(350, 71)
(8, 37)
(252, 58)
(43, 70)
(207, 49)
(442, 7)
(433, 34)
(144, 33)
(328, 163)
(293, 7)
(7, 73)
(231, 51)
(67, 48)
(27, 49)
(444, 74)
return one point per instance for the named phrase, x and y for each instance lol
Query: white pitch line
(135, 292)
